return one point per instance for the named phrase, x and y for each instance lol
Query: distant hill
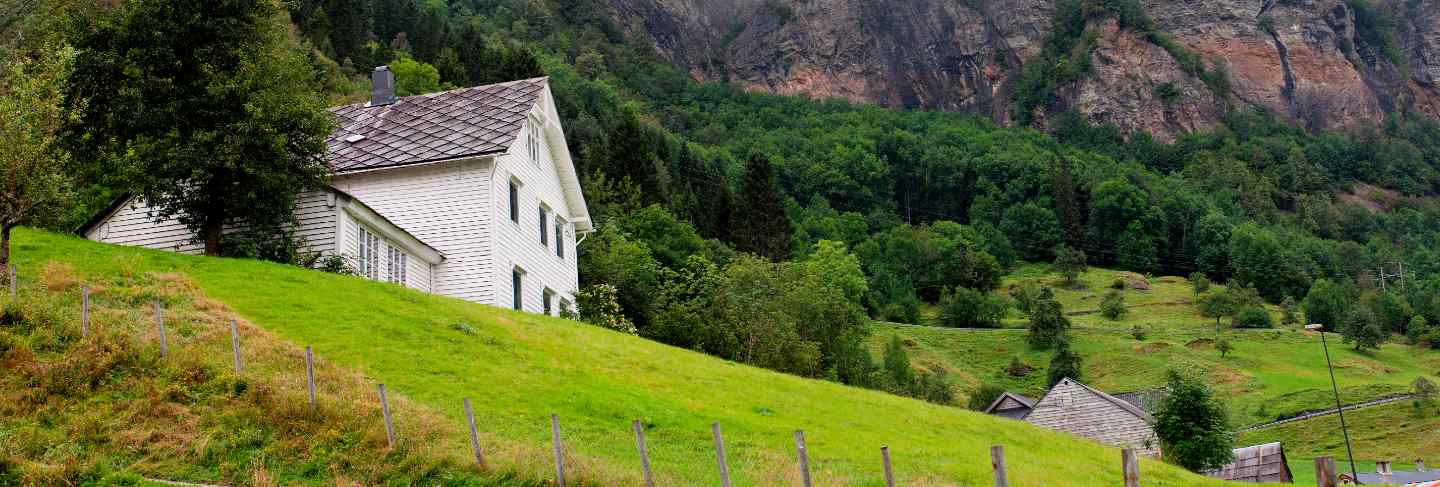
(1270, 374)
(431, 352)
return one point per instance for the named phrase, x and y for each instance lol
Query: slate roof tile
(415, 129)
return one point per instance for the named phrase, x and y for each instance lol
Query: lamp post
(1339, 408)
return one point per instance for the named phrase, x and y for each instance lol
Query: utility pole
(1339, 408)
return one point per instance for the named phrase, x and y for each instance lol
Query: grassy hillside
(1399, 432)
(517, 368)
(1269, 374)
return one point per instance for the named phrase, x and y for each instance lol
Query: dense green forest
(809, 217)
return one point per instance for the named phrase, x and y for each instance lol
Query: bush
(1113, 305)
(1047, 321)
(1017, 368)
(1070, 263)
(1138, 332)
(968, 308)
(600, 305)
(1064, 363)
(1223, 346)
(981, 397)
(1200, 283)
(1254, 318)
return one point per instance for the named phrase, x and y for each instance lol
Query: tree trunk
(213, 228)
(5, 245)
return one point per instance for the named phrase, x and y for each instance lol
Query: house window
(398, 261)
(532, 140)
(544, 227)
(547, 297)
(514, 202)
(559, 238)
(515, 285)
(369, 254)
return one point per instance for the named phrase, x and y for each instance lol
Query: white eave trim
(373, 221)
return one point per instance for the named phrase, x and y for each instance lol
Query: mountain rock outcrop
(1319, 63)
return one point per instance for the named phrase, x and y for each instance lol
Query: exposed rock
(1301, 59)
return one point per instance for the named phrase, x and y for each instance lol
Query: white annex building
(468, 193)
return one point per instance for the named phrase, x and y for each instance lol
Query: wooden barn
(1083, 411)
(1261, 464)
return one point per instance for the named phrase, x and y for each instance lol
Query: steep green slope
(518, 368)
(1270, 374)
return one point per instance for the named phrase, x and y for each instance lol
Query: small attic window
(353, 138)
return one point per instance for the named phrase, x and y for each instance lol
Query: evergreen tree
(218, 122)
(760, 225)
(1287, 308)
(1047, 320)
(1192, 425)
(1064, 363)
(1068, 207)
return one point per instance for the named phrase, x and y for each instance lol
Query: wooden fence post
(885, 458)
(385, 410)
(720, 455)
(804, 458)
(235, 346)
(310, 375)
(474, 435)
(1325, 472)
(644, 453)
(997, 463)
(160, 327)
(559, 456)
(84, 311)
(1131, 466)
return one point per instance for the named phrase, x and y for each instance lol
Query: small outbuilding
(1259, 464)
(1011, 405)
(1081, 410)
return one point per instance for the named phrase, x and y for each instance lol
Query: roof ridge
(1117, 401)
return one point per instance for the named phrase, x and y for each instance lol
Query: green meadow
(518, 368)
(1269, 374)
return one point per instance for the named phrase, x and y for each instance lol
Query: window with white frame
(370, 244)
(532, 140)
(547, 297)
(398, 261)
(544, 226)
(514, 201)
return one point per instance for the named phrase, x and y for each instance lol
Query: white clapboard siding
(518, 244)
(133, 223)
(443, 205)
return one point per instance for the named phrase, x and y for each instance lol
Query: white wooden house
(468, 193)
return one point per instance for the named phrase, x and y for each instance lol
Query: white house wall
(132, 224)
(518, 244)
(444, 205)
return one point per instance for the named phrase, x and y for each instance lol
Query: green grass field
(518, 368)
(1270, 373)
(1399, 432)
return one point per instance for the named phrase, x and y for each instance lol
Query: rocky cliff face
(1315, 62)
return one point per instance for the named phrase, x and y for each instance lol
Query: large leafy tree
(1047, 321)
(1326, 304)
(1192, 425)
(32, 179)
(200, 108)
(1064, 363)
